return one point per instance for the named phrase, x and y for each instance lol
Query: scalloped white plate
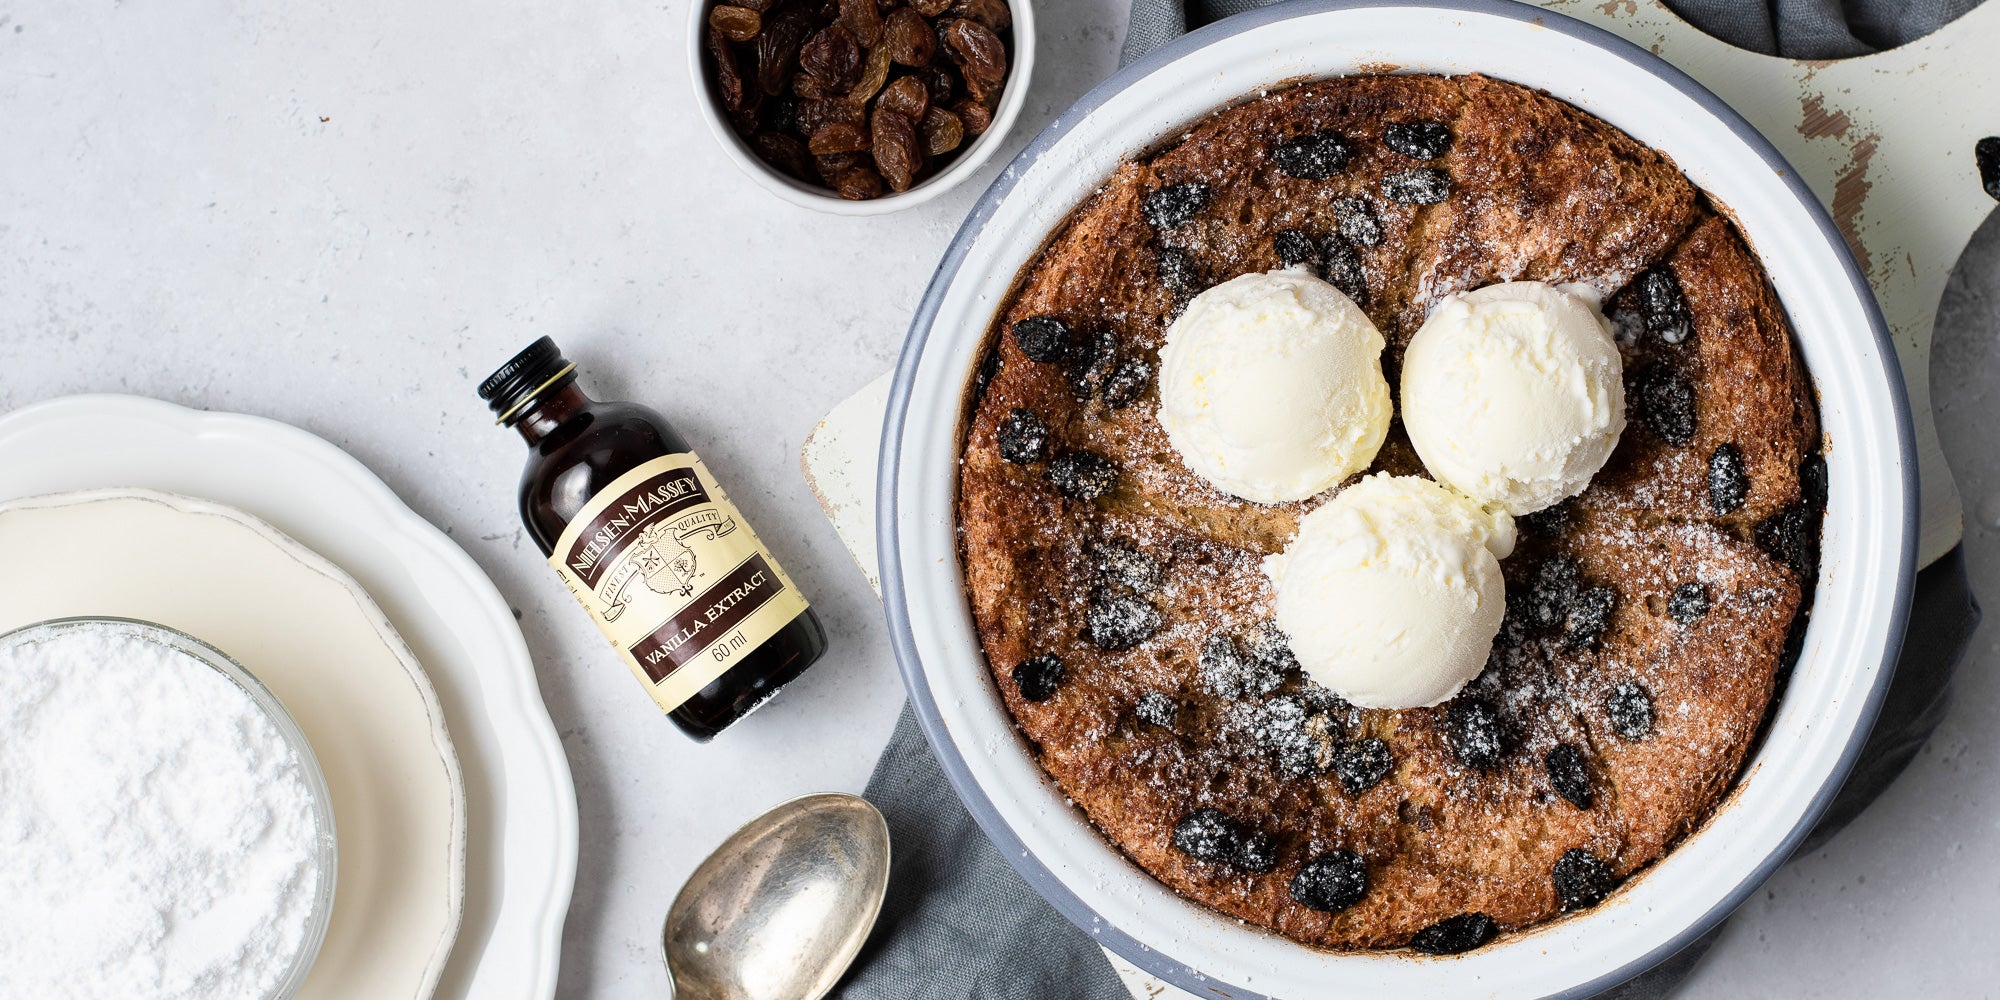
(520, 834)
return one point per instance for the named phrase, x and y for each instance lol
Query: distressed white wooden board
(1884, 140)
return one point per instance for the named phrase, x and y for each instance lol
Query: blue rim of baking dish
(888, 549)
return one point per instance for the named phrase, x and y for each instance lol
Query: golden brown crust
(1540, 191)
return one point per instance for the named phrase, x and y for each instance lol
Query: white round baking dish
(1868, 540)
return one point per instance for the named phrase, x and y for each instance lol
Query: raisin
(1363, 764)
(977, 117)
(1788, 536)
(1588, 616)
(832, 56)
(874, 74)
(1179, 272)
(1344, 270)
(1083, 475)
(785, 153)
(778, 48)
(859, 184)
(1631, 710)
(991, 13)
(1454, 935)
(1987, 152)
(1331, 882)
(1421, 186)
(1812, 484)
(815, 114)
(907, 38)
(1568, 775)
(931, 8)
(832, 165)
(1418, 140)
(1126, 383)
(1302, 745)
(1474, 731)
(977, 50)
(1226, 673)
(1555, 587)
(1583, 880)
(1176, 204)
(1313, 157)
(1091, 358)
(898, 152)
(1267, 644)
(1662, 307)
(1043, 338)
(1118, 623)
(1120, 563)
(1296, 249)
(1549, 522)
(838, 137)
(1666, 400)
(738, 24)
(1256, 853)
(1208, 835)
(1157, 708)
(1023, 437)
(988, 370)
(1038, 677)
(1728, 483)
(907, 97)
(939, 80)
(729, 83)
(942, 131)
(864, 19)
(1689, 603)
(1357, 222)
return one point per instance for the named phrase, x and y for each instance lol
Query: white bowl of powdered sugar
(165, 831)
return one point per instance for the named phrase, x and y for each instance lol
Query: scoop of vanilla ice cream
(1391, 592)
(1513, 393)
(1271, 386)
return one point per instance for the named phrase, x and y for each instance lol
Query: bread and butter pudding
(1119, 555)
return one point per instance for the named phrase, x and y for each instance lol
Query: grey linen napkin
(959, 924)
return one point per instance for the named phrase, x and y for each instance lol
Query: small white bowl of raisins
(860, 107)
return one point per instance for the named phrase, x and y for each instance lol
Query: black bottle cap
(539, 367)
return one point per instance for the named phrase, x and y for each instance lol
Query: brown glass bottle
(668, 541)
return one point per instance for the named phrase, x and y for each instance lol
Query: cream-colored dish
(315, 639)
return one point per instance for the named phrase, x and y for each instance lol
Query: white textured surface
(176, 219)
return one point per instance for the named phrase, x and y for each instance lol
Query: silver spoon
(779, 911)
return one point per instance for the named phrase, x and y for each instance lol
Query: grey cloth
(959, 924)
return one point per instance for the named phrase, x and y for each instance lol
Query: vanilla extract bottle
(652, 548)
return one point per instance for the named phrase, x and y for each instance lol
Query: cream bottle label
(674, 576)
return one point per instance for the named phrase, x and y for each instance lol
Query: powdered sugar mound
(157, 836)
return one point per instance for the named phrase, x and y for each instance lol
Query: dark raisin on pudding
(1023, 437)
(1331, 882)
(1176, 204)
(1038, 677)
(1662, 307)
(1256, 853)
(1091, 358)
(1453, 935)
(1302, 744)
(1363, 764)
(1118, 623)
(1357, 222)
(1583, 880)
(1126, 383)
(1121, 563)
(1666, 402)
(1689, 603)
(1179, 272)
(1296, 249)
(1569, 776)
(1421, 186)
(1227, 673)
(1157, 708)
(1268, 644)
(1588, 616)
(1418, 140)
(1208, 835)
(1792, 534)
(1043, 338)
(989, 369)
(1474, 730)
(1344, 270)
(1313, 157)
(1554, 589)
(1549, 522)
(1631, 709)
(1082, 475)
(1728, 482)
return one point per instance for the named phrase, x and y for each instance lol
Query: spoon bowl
(781, 908)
